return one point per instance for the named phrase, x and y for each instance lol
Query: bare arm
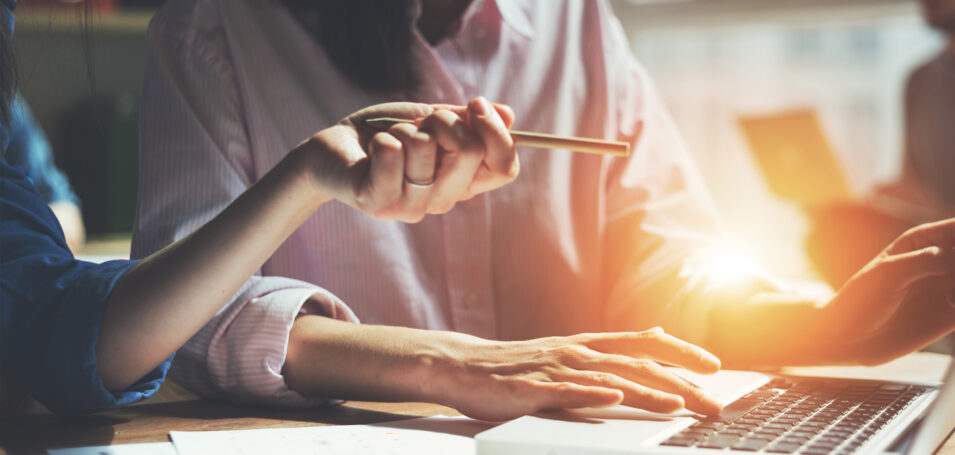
(166, 298)
(899, 302)
(494, 380)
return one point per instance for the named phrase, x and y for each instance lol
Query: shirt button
(470, 301)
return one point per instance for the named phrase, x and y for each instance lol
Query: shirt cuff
(70, 362)
(246, 361)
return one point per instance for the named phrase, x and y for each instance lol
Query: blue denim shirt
(51, 308)
(51, 305)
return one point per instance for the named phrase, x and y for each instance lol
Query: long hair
(8, 76)
(368, 40)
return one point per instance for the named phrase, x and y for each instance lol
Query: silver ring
(422, 186)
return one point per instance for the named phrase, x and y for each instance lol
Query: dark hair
(368, 40)
(8, 76)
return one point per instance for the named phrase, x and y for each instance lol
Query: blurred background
(834, 70)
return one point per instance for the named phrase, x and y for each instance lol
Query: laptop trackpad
(581, 428)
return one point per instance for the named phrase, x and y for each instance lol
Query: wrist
(442, 370)
(303, 165)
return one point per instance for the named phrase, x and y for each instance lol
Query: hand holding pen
(405, 160)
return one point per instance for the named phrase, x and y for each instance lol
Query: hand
(449, 154)
(504, 380)
(901, 301)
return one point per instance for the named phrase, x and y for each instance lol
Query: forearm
(337, 359)
(772, 329)
(166, 298)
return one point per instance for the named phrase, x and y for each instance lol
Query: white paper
(429, 435)
(152, 448)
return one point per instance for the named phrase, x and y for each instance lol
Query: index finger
(655, 344)
(939, 233)
(505, 111)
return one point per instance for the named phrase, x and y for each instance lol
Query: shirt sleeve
(52, 308)
(662, 230)
(194, 160)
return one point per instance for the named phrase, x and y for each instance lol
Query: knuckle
(416, 213)
(384, 144)
(644, 366)
(567, 352)
(402, 130)
(441, 207)
(650, 335)
(519, 385)
(602, 377)
(445, 116)
(562, 388)
(513, 170)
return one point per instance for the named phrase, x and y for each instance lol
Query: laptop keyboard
(806, 416)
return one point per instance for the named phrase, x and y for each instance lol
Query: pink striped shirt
(577, 243)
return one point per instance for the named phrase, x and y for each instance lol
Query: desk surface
(153, 422)
(176, 409)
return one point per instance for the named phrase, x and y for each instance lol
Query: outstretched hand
(449, 154)
(900, 301)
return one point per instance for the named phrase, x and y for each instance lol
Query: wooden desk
(153, 422)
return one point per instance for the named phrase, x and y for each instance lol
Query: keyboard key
(718, 442)
(893, 387)
(750, 444)
(770, 431)
(679, 442)
(783, 448)
(737, 408)
(801, 434)
(795, 439)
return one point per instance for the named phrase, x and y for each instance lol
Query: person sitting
(80, 337)
(561, 289)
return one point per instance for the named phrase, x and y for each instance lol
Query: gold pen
(547, 141)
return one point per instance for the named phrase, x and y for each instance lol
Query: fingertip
(713, 408)
(479, 106)
(670, 403)
(506, 113)
(608, 397)
(710, 364)
(383, 141)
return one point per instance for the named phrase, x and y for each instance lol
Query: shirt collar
(514, 16)
(508, 12)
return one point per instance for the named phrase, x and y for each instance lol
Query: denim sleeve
(52, 308)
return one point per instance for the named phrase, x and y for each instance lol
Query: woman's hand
(503, 380)
(494, 380)
(901, 301)
(449, 154)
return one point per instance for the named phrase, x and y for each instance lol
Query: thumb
(403, 110)
(909, 267)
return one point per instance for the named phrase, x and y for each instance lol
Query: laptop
(763, 414)
(795, 157)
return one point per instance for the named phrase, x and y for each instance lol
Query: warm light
(722, 266)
